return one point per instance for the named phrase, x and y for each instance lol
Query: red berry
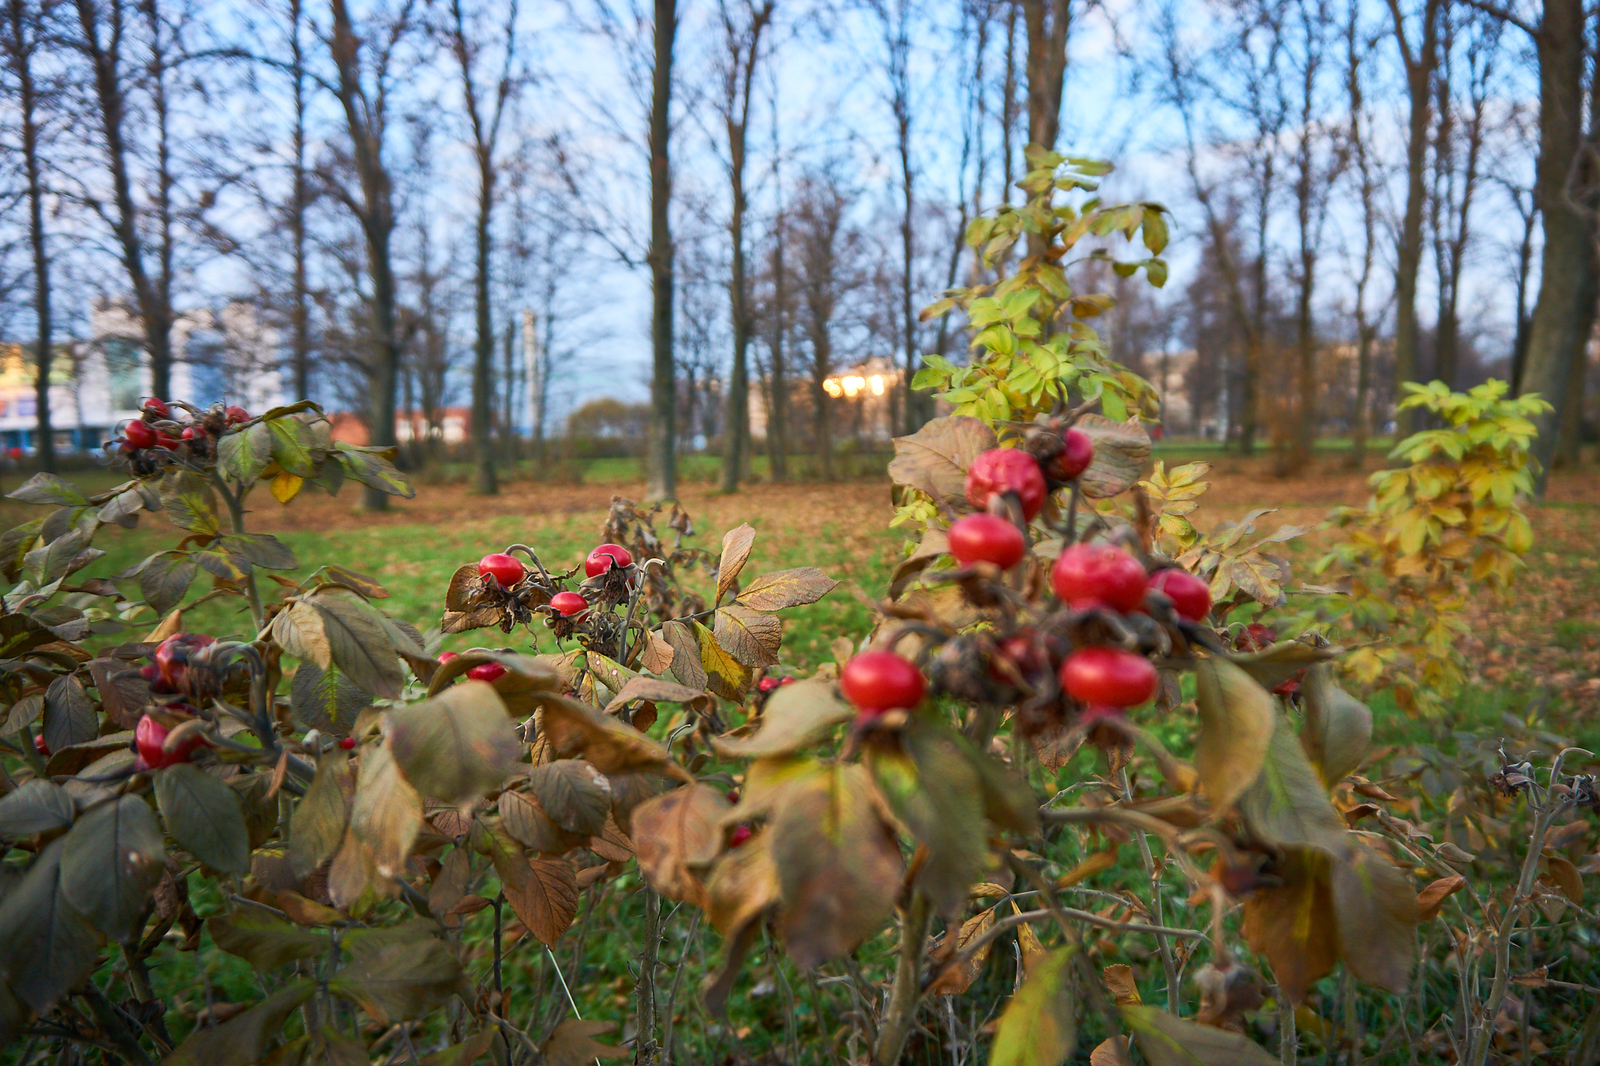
(235, 414)
(1289, 686)
(740, 834)
(1001, 470)
(487, 672)
(791, 679)
(167, 441)
(1098, 575)
(503, 568)
(158, 408)
(1254, 637)
(767, 684)
(568, 604)
(1109, 677)
(149, 672)
(733, 795)
(193, 433)
(150, 735)
(40, 746)
(347, 743)
(140, 434)
(15, 453)
(1077, 452)
(878, 681)
(1190, 596)
(447, 656)
(171, 657)
(987, 538)
(605, 557)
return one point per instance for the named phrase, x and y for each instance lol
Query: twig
(1148, 859)
(903, 998)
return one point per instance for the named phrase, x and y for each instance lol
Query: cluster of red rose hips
(1091, 579)
(172, 673)
(156, 428)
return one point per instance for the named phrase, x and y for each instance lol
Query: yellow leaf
(286, 486)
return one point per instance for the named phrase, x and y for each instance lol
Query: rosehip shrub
(1001, 470)
(987, 538)
(140, 434)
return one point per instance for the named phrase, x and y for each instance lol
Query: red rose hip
(502, 567)
(234, 414)
(1077, 452)
(141, 434)
(487, 672)
(1000, 470)
(987, 538)
(156, 408)
(1098, 575)
(567, 604)
(1109, 677)
(149, 736)
(1190, 596)
(878, 681)
(606, 556)
(740, 834)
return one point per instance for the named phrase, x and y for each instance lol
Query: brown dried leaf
(677, 835)
(573, 793)
(542, 892)
(934, 459)
(686, 665)
(1338, 727)
(1432, 897)
(736, 544)
(1293, 924)
(787, 588)
(387, 812)
(657, 654)
(656, 690)
(1120, 983)
(795, 716)
(1121, 450)
(457, 745)
(749, 636)
(959, 974)
(1560, 872)
(573, 1044)
(574, 728)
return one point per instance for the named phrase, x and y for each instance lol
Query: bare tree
(742, 27)
(27, 24)
(365, 62)
(105, 32)
(821, 248)
(1419, 64)
(1358, 52)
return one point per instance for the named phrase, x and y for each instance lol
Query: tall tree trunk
(155, 313)
(1569, 441)
(1047, 23)
(1565, 311)
(737, 435)
(484, 481)
(1419, 70)
(821, 417)
(376, 215)
(512, 449)
(778, 406)
(22, 49)
(663, 459)
(300, 325)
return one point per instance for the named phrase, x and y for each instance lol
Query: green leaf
(37, 806)
(1338, 727)
(795, 716)
(48, 488)
(1166, 1040)
(69, 715)
(164, 579)
(203, 815)
(935, 791)
(1287, 806)
(263, 941)
(326, 699)
(263, 550)
(291, 446)
(112, 861)
(243, 455)
(187, 500)
(456, 746)
(1237, 719)
(839, 868)
(1039, 1026)
(320, 818)
(245, 1038)
(47, 945)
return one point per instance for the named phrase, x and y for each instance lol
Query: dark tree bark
(1419, 69)
(26, 25)
(743, 44)
(300, 315)
(102, 41)
(485, 120)
(1048, 23)
(365, 114)
(663, 458)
